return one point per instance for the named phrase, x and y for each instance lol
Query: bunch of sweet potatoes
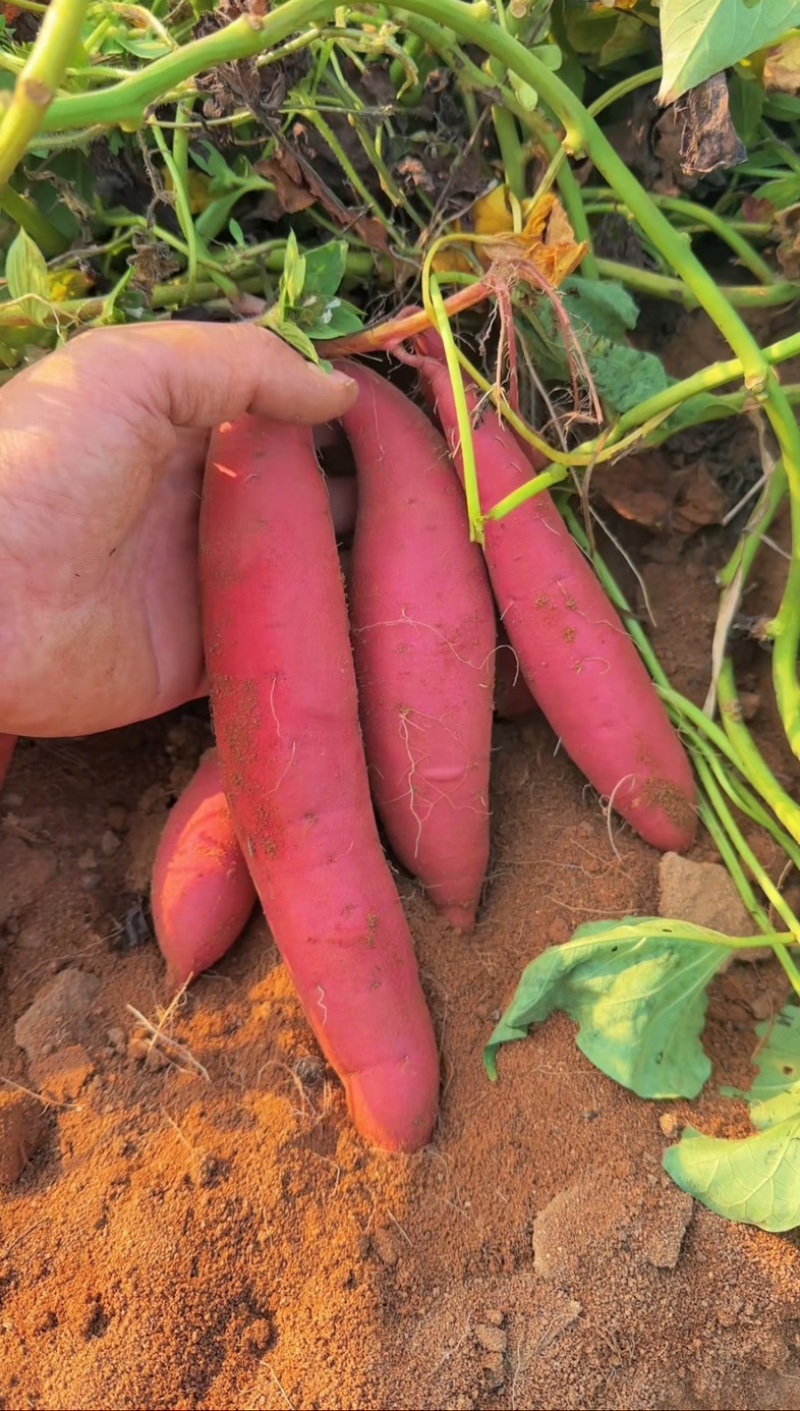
(338, 709)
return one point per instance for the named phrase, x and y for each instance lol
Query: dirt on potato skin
(218, 1236)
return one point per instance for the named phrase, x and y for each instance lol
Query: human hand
(102, 448)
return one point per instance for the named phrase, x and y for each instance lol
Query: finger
(200, 374)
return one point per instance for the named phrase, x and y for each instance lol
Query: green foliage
(309, 306)
(754, 1180)
(600, 315)
(637, 991)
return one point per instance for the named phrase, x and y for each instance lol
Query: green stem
(512, 153)
(27, 215)
(467, 446)
(662, 286)
(750, 760)
(743, 556)
(34, 89)
(724, 230)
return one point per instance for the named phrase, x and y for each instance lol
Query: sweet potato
(579, 662)
(7, 747)
(201, 893)
(423, 625)
(285, 709)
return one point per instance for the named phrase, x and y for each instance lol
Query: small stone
(669, 1123)
(22, 1129)
(666, 1229)
(750, 702)
(60, 1077)
(259, 1337)
(117, 818)
(156, 1060)
(763, 1006)
(463, 1402)
(702, 893)
(87, 861)
(384, 1245)
(493, 1369)
(494, 1339)
(58, 1015)
(116, 1039)
(495, 1317)
(109, 843)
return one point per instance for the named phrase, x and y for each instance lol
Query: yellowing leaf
(781, 72)
(451, 260)
(546, 241)
(69, 284)
(491, 215)
(198, 185)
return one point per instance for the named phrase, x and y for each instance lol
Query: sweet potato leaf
(637, 991)
(600, 316)
(756, 1179)
(702, 38)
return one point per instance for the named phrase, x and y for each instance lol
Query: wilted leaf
(648, 491)
(637, 990)
(709, 140)
(284, 173)
(787, 225)
(546, 240)
(781, 72)
(701, 39)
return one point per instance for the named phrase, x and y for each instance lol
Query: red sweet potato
(579, 662)
(423, 627)
(201, 894)
(285, 709)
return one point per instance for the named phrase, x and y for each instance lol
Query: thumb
(199, 374)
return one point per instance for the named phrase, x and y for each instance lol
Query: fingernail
(340, 379)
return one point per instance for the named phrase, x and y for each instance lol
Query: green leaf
(294, 273)
(325, 268)
(150, 48)
(337, 319)
(624, 377)
(628, 37)
(607, 307)
(295, 337)
(756, 1179)
(702, 38)
(26, 269)
(601, 314)
(747, 106)
(637, 991)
